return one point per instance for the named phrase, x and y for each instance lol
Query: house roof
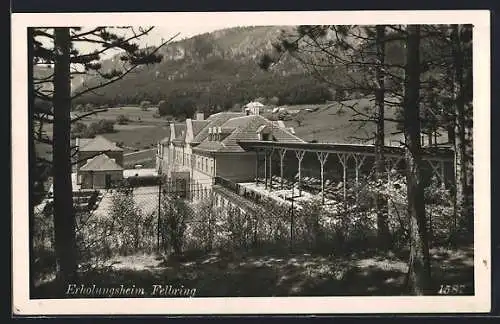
(246, 128)
(101, 163)
(215, 120)
(253, 104)
(97, 144)
(180, 133)
(198, 125)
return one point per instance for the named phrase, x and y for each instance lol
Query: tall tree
(57, 48)
(419, 273)
(460, 40)
(64, 220)
(382, 226)
(352, 59)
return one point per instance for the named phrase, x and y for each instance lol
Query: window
(181, 188)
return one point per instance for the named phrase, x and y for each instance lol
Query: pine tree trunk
(64, 216)
(461, 202)
(419, 264)
(469, 166)
(469, 153)
(382, 226)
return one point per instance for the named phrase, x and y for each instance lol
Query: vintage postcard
(251, 162)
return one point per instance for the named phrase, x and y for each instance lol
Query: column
(300, 156)
(282, 156)
(359, 160)
(343, 160)
(322, 157)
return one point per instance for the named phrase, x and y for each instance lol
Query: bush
(88, 107)
(163, 108)
(122, 120)
(126, 230)
(103, 126)
(201, 230)
(175, 215)
(145, 105)
(78, 130)
(143, 181)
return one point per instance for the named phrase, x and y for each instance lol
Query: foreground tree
(461, 44)
(350, 59)
(419, 274)
(56, 47)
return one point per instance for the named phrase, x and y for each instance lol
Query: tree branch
(123, 74)
(88, 114)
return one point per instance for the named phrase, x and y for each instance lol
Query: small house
(100, 172)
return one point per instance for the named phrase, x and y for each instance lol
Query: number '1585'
(451, 289)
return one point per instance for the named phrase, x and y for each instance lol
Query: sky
(154, 37)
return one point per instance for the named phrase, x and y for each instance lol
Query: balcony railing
(240, 190)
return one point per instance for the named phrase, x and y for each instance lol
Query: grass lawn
(135, 114)
(139, 138)
(147, 158)
(246, 274)
(334, 123)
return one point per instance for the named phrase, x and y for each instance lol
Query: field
(335, 122)
(135, 114)
(141, 133)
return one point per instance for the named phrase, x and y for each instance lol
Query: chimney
(200, 116)
(172, 131)
(189, 130)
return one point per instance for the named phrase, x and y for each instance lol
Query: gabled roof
(215, 120)
(253, 104)
(84, 141)
(180, 132)
(101, 163)
(246, 128)
(97, 144)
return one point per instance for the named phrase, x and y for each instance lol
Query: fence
(163, 216)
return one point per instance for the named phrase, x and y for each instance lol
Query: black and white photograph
(251, 163)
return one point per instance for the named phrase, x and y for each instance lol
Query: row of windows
(200, 163)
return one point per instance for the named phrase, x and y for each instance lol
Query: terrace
(337, 181)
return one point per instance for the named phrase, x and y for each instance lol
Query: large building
(243, 157)
(198, 151)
